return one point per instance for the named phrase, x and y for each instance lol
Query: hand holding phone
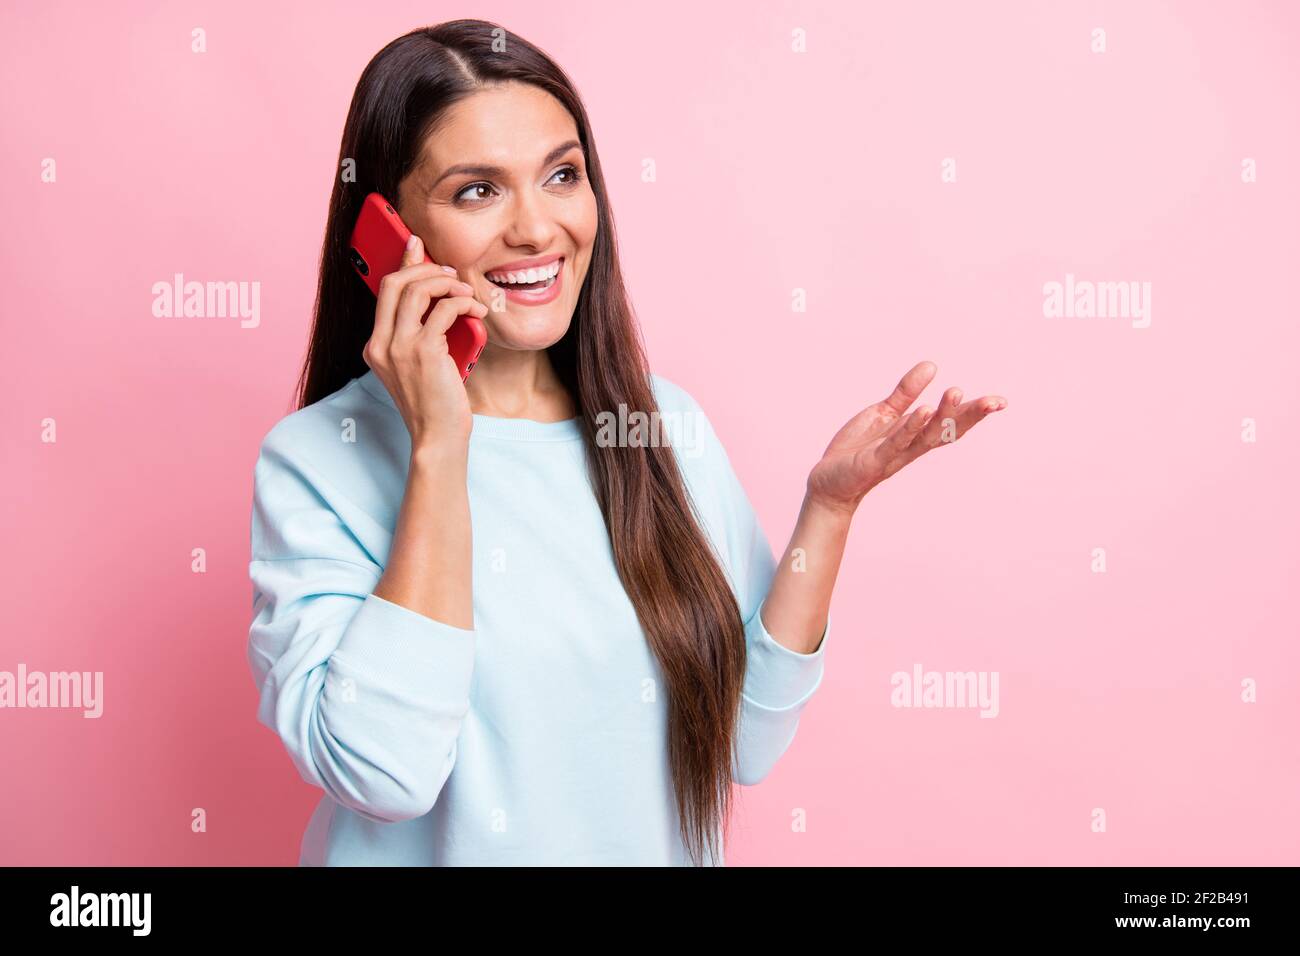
(414, 349)
(377, 246)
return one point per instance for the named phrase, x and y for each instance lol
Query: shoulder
(668, 394)
(717, 494)
(674, 401)
(317, 480)
(694, 424)
(308, 439)
(700, 452)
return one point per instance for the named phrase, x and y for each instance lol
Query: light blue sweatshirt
(540, 737)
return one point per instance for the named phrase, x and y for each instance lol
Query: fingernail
(449, 270)
(956, 397)
(412, 242)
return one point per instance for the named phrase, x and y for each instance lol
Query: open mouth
(527, 280)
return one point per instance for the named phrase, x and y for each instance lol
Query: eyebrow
(496, 171)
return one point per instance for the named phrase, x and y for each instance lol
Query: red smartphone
(377, 244)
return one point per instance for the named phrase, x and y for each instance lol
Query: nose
(530, 222)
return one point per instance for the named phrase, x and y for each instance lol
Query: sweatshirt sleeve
(366, 695)
(779, 681)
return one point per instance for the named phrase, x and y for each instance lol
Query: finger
(893, 428)
(414, 300)
(413, 254)
(910, 387)
(992, 403)
(975, 411)
(412, 266)
(957, 423)
(945, 403)
(902, 436)
(871, 419)
(390, 289)
(448, 310)
(943, 426)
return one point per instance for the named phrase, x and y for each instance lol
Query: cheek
(582, 223)
(458, 244)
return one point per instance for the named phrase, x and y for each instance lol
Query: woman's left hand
(882, 438)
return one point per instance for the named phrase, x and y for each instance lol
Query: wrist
(833, 512)
(436, 457)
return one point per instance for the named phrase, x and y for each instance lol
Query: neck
(518, 383)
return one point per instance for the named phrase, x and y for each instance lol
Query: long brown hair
(682, 598)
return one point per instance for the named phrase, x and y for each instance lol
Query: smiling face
(501, 195)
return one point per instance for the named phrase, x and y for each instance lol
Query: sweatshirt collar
(490, 426)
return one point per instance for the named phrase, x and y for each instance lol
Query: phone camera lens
(359, 262)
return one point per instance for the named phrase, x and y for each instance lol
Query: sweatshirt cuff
(777, 677)
(386, 638)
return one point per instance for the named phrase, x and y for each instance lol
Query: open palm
(883, 437)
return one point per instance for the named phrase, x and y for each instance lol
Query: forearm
(799, 599)
(430, 565)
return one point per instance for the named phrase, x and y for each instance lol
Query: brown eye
(571, 172)
(474, 193)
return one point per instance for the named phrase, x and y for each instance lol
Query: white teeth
(526, 275)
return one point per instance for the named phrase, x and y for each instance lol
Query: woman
(583, 678)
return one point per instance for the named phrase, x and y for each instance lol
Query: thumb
(414, 251)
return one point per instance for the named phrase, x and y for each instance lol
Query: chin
(525, 332)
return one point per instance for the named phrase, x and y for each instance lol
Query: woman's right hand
(413, 361)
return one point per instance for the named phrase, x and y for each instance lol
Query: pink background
(776, 170)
